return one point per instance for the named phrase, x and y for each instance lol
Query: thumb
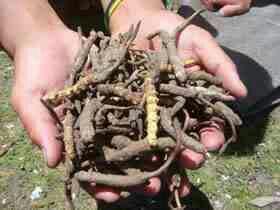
(40, 126)
(230, 10)
(208, 53)
(209, 4)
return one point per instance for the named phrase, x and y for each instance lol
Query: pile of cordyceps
(122, 105)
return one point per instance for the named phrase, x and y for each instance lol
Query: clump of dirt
(122, 105)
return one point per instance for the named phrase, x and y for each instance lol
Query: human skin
(43, 49)
(228, 7)
(194, 43)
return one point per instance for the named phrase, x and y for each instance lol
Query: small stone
(262, 144)
(263, 178)
(218, 205)
(208, 155)
(264, 201)
(4, 201)
(10, 68)
(35, 171)
(10, 126)
(228, 196)
(36, 193)
(225, 178)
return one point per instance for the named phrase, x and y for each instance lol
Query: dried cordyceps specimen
(130, 104)
(151, 101)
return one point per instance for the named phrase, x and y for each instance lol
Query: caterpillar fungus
(152, 118)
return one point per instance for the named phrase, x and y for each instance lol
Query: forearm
(132, 11)
(24, 20)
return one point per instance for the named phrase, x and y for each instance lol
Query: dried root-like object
(132, 104)
(68, 135)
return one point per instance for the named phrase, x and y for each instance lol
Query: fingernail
(244, 91)
(221, 13)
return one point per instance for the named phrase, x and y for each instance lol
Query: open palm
(40, 67)
(197, 44)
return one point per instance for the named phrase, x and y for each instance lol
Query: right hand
(43, 65)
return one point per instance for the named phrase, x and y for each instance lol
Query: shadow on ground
(259, 85)
(197, 200)
(264, 3)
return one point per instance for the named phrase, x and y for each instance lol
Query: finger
(208, 4)
(193, 68)
(217, 62)
(215, 5)
(150, 189)
(190, 159)
(40, 126)
(153, 187)
(184, 188)
(220, 65)
(230, 10)
(106, 194)
(212, 137)
(102, 193)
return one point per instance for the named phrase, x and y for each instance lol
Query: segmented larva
(151, 110)
(55, 98)
(68, 135)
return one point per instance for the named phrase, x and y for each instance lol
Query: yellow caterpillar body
(152, 111)
(56, 97)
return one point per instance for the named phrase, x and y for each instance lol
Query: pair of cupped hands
(43, 64)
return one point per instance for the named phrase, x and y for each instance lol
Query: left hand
(199, 45)
(228, 7)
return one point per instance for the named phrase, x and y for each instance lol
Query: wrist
(156, 20)
(132, 11)
(25, 21)
(61, 41)
(40, 36)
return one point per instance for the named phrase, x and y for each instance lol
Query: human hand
(41, 66)
(197, 44)
(228, 7)
(43, 50)
(49, 58)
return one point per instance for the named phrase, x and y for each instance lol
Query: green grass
(250, 168)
